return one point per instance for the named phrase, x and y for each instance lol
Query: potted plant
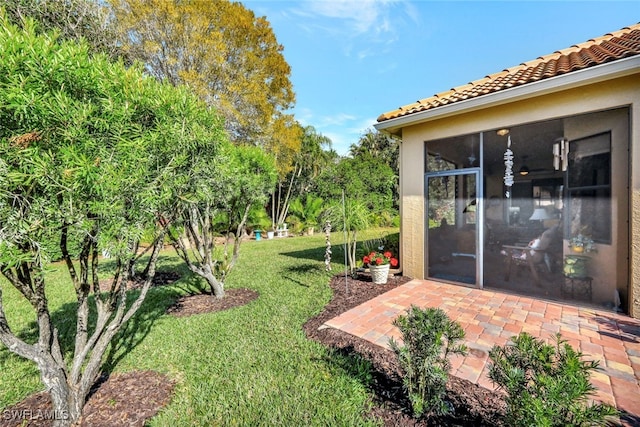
(581, 243)
(379, 264)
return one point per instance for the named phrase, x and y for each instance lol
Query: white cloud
(373, 23)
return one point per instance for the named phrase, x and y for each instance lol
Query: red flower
(380, 258)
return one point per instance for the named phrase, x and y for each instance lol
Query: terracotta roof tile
(610, 47)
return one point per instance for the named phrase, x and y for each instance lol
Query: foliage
(258, 218)
(297, 175)
(383, 147)
(380, 258)
(226, 184)
(306, 214)
(546, 385)
(85, 157)
(350, 218)
(367, 179)
(429, 338)
(222, 51)
(74, 19)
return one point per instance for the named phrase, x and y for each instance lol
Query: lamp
(539, 214)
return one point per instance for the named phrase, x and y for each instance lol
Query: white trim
(591, 75)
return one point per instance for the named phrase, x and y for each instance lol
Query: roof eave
(591, 75)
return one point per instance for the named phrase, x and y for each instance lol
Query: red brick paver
(490, 317)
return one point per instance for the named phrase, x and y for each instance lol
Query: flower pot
(379, 273)
(575, 266)
(258, 234)
(270, 234)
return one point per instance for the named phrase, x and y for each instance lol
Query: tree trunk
(216, 286)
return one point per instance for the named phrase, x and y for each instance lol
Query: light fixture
(524, 170)
(539, 214)
(502, 132)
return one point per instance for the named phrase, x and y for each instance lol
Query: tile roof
(610, 47)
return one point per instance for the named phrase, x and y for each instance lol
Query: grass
(250, 365)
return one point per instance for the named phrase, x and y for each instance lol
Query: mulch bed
(129, 399)
(207, 303)
(472, 405)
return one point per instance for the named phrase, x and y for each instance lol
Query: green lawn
(251, 365)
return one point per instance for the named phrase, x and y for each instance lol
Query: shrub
(429, 338)
(546, 385)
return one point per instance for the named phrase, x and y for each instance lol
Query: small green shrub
(546, 385)
(429, 338)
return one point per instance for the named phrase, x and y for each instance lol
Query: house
(551, 144)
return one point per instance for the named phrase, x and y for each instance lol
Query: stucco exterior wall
(412, 225)
(622, 92)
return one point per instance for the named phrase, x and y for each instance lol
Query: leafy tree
(378, 146)
(297, 177)
(225, 185)
(74, 19)
(85, 156)
(221, 50)
(366, 179)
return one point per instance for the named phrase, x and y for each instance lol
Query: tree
(364, 178)
(74, 19)
(350, 217)
(382, 147)
(221, 50)
(224, 186)
(85, 156)
(298, 176)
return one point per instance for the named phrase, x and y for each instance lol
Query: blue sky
(352, 60)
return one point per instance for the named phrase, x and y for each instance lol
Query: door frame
(479, 226)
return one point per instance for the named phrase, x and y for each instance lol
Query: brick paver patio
(490, 317)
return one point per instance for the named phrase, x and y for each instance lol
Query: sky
(352, 60)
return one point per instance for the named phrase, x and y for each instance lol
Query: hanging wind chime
(508, 168)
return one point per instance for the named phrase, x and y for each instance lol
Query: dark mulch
(472, 405)
(207, 303)
(161, 278)
(127, 399)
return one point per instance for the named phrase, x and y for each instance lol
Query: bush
(546, 385)
(429, 338)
